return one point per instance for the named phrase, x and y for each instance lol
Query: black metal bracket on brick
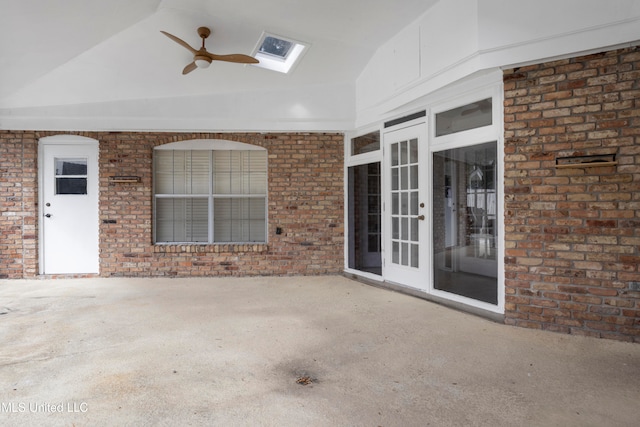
(124, 179)
(595, 161)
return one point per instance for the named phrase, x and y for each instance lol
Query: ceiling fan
(202, 58)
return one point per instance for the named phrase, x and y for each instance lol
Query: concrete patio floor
(230, 352)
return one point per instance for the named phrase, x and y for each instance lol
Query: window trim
(210, 145)
(465, 139)
(470, 136)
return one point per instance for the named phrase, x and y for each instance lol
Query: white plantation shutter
(240, 172)
(198, 163)
(182, 172)
(257, 171)
(210, 196)
(182, 220)
(163, 172)
(239, 219)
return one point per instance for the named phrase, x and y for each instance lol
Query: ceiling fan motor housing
(204, 32)
(202, 61)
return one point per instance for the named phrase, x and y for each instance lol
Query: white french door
(69, 207)
(405, 207)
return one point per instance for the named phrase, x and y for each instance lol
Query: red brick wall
(18, 196)
(573, 235)
(305, 200)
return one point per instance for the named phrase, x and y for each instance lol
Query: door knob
(48, 215)
(420, 217)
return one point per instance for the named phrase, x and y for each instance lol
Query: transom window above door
(466, 117)
(210, 191)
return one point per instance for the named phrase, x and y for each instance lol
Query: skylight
(278, 53)
(276, 47)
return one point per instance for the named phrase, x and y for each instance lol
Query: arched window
(210, 191)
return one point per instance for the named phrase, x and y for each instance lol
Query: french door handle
(420, 217)
(47, 215)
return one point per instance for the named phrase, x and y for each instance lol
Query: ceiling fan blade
(179, 41)
(189, 68)
(236, 57)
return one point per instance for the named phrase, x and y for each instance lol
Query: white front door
(405, 207)
(69, 205)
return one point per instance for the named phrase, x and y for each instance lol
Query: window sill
(216, 248)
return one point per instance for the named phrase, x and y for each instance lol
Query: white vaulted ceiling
(104, 65)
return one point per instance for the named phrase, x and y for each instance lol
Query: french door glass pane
(404, 203)
(413, 147)
(395, 181)
(465, 222)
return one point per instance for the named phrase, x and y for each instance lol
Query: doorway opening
(465, 222)
(365, 218)
(68, 205)
(425, 198)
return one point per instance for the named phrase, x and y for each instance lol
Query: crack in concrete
(59, 356)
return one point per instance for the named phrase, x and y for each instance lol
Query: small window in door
(71, 176)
